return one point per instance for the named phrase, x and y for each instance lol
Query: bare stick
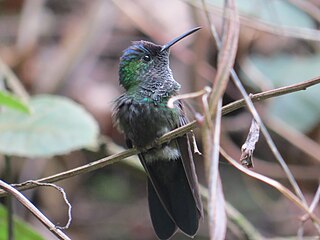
(171, 101)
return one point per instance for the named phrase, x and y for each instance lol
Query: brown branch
(35, 211)
(168, 136)
(211, 132)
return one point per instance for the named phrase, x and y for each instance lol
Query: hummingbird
(143, 116)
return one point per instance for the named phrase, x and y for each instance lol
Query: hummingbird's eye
(146, 58)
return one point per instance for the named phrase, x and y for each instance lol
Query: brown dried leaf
(248, 147)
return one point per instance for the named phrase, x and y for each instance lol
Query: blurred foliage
(56, 125)
(300, 110)
(111, 187)
(22, 231)
(274, 12)
(11, 101)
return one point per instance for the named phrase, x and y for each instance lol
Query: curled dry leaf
(248, 147)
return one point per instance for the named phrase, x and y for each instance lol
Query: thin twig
(314, 203)
(168, 136)
(35, 211)
(216, 201)
(285, 191)
(171, 101)
(296, 138)
(64, 195)
(77, 171)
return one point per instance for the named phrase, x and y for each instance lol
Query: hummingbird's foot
(157, 144)
(143, 150)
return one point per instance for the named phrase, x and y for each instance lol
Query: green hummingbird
(142, 114)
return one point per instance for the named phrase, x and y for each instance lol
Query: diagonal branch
(35, 211)
(167, 137)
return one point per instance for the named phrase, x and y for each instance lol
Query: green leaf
(9, 100)
(300, 109)
(22, 230)
(56, 126)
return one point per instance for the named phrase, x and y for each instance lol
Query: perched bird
(142, 114)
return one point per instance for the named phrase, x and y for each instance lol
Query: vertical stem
(8, 176)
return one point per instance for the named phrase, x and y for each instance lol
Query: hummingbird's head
(144, 60)
(141, 61)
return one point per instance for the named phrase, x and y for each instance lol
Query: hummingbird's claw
(157, 144)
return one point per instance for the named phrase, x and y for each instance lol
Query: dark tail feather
(162, 223)
(172, 189)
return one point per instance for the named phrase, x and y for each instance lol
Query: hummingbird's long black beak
(177, 39)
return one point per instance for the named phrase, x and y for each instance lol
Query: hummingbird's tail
(173, 200)
(162, 223)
